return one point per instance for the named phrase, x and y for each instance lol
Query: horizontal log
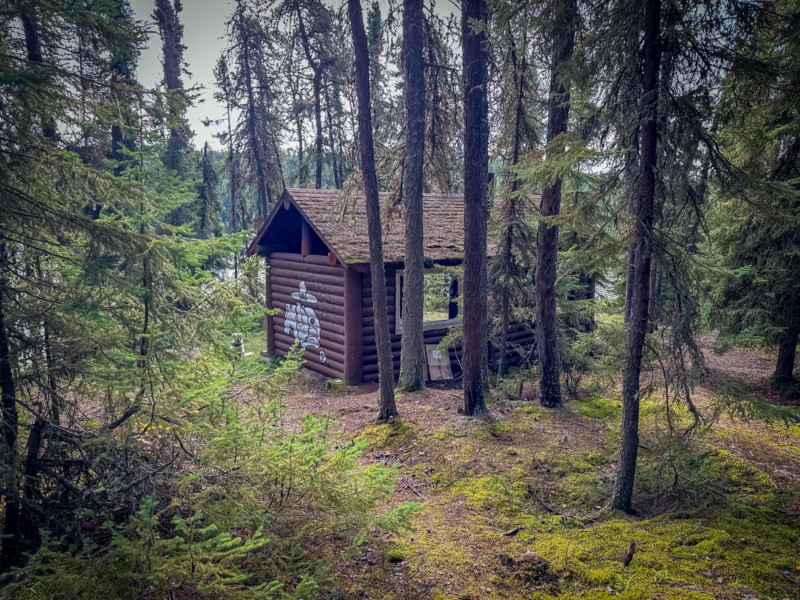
(326, 317)
(300, 267)
(292, 284)
(368, 313)
(331, 347)
(312, 259)
(321, 309)
(329, 330)
(373, 369)
(312, 357)
(327, 371)
(326, 297)
(297, 275)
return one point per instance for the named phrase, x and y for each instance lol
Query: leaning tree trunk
(476, 176)
(412, 352)
(787, 349)
(385, 366)
(645, 200)
(547, 239)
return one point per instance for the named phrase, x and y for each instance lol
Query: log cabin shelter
(316, 247)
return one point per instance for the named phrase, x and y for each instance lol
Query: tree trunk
(11, 549)
(655, 295)
(547, 239)
(337, 181)
(629, 284)
(171, 31)
(377, 271)
(476, 176)
(510, 211)
(787, 349)
(645, 200)
(252, 129)
(412, 353)
(316, 81)
(302, 172)
(319, 155)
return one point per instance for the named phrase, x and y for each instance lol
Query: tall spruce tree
(412, 355)
(167, 16)
(565, 14)
(474, 18)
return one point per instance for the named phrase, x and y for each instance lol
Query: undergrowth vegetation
(515, 506)
(254, 506)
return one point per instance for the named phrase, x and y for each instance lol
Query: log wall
(314, 318)
(433, 336)
(334, 318)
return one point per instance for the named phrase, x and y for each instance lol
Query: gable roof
(341, 221)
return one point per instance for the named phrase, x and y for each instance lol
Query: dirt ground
(514, 505)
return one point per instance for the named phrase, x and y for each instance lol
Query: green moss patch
(386, 436)
(598, 407)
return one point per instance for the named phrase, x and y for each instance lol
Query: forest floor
(515, 504)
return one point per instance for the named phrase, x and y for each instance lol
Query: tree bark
(316, 81)
(171, 30)
(377, 271)
(11, 549)
(645, 200)
(476, 176)
(547, 238)
(629, 285)
(655, 295)
(412, 353)
(252, 129)
(337, 180)
(784, 369)
(510, 211)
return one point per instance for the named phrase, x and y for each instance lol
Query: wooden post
(270, 318)
(353, 329)
(305, 238)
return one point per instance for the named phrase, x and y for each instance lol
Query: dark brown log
(311, 259)
(293, 276)
(333, 330)
(324, 298)
(270, 318)
(333, 355)
(334, 371)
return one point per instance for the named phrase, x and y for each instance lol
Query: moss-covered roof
(341, 219)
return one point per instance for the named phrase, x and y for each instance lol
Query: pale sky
(203, 33)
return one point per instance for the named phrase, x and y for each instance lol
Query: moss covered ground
(515, 506)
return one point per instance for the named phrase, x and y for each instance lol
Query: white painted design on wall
(302, 322)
